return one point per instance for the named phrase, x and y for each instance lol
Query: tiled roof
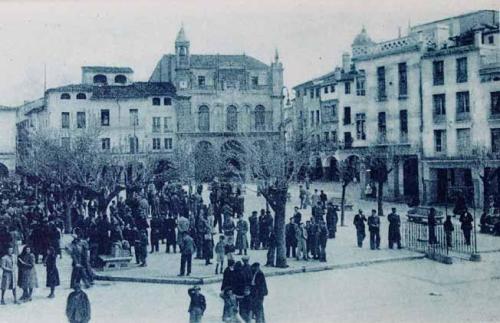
(6, 108)
(237, 61)
(107, 69)
(328, 78)
(135, 90)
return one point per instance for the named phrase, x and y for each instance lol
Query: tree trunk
(279, 231)
(68, 226)
(380, 197)
(342, 204)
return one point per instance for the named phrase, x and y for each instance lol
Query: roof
(134, 90)
(328, 77)
(362, 39)
(6, 108)
(228, 61)
(107, 69)
(492, 12)
(181, 36)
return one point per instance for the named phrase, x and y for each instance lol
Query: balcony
(439, 118)
(463, 116)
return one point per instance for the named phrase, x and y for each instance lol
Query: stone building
(230, 97)
(383, 97)
(7, 140)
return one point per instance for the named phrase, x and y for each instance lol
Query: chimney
(346, 62)
(338, 73)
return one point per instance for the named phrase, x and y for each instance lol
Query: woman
(27, 279)
(241, 236)
(52, 272)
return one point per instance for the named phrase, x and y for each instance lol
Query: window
(156, 124)
(255, 81)
(106, 143)
(260, 118)
(327, 136)
(203, 119)
(81, 96)
(317, 117)
(156, 101)
(134, 145)
(100, 79)
(347, 115)
(134, 117)
(232, 118)
(438, 72)
(382, 95)
(65, 96)
(168, 143)
(462, 70)
(167, 124)
(334, 136)
(347, 87)
(201, 81)
(495, 102)
(440, 140)
(318, 92)
(491, 39)
(360, 126)
(120, 79)
(311, 93)
(105, 117)
(66, 142)
(297, 93)
(329, 113)
(332, 88)
(463, 102)
(382, 126)
(347, 140)
(80, 120)
(495, 140)
(325, 89)
(312, 118)
(463, 141)
(403, 121)
(403, 80)
(439, 103)
(65, 120)
(156, 144)
(360, 86)
(167, 101)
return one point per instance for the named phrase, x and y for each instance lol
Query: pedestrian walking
(448, 231)
(359, 224)
(27, 278)
(374, 228)
(197, 304)
(431, 226)
(241, 235)
(52, 280)
(394, 229)
(220, 252)
(187, 249)
(258, 291)
(301, 235)
(9, 274)
(254, 230)
(290, 239)
(466, 220)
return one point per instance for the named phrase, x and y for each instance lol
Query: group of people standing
(360, 222)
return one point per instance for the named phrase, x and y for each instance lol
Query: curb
(281, 272)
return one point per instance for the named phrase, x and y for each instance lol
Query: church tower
(182, 50)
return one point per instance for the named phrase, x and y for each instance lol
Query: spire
(181, 35)
(276, 55)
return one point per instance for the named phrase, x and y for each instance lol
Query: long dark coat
(52, 272)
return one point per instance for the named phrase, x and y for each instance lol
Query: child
(220, 251)
(230, 312)
(197, 305)
(229, 249)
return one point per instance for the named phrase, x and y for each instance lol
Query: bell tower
(182, 50)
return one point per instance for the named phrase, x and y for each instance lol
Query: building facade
(230, 97)
(384, 97)
(8, 139)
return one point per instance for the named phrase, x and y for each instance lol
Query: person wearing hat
(359, 223)
(258, 290)
(78, 306)
(394, 229)
(197, 305)
(331, 220)
(374, 228)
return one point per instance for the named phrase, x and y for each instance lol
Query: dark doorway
(442, 185)
(410, 177)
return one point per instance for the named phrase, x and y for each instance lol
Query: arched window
(232, 118)
(65, 96)
(100, 79)
(156, 101)
(260, 118)
(120, 79)
(204, 119)
(81, 96)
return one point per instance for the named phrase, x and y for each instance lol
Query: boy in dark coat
(197, 305)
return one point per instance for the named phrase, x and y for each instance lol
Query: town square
(226, 161)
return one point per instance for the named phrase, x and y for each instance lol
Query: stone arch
(100, 79)
(317, 168)
(205, 162)
(232, 118)
(4, 171)
(331, 169)
(356, 161)
(120, 79)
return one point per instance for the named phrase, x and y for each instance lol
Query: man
(315, 198)
(301, 235)
(170, 233)
(318, 212)
(323, 198)
(313, 236)
(77, 250)
(466, 219)
(258, 291)
(187, 249)
(197, 305)
(290, 239)
(394, 232)
(229, 276)
(359, 224)
(374, 228)
(331, 220)
(302, 196)
(155, 233)
(254, 230)
(322, 240)
(78, 306)
(297, 216)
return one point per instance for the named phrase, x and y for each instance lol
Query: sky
(310, 35)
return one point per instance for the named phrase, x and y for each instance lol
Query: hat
(196, 287)
(245, 258)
